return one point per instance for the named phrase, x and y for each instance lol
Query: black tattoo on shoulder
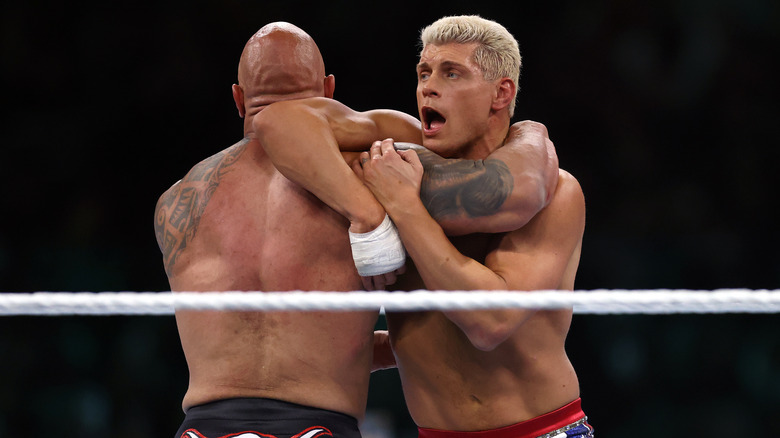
(455, 187)
(179, 210)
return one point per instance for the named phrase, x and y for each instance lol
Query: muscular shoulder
(569, 191)
(179, 209)
(564, 215)
(162, 213)
(567, 206)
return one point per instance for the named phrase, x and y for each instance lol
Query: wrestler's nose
(428, 88)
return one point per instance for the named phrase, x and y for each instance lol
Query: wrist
(410, 212)
(367, 217)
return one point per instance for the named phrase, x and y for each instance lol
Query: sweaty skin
(234, 223)
(476, 370)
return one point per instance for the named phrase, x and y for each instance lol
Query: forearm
(439, 263)
(303, 147)
(531, 156)
(443, 267)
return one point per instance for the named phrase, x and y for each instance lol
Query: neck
(249, 130)
(495, 135)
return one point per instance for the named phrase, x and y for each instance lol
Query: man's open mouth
(432, 119)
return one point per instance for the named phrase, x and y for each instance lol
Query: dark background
(665, 111)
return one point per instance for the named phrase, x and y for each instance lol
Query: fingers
(388, 278)
(387, 146)
(392, 277)
(530, 125)
(363, 158)
(410, 157)
(378, 150)
(375, 282)
(357, 167)
(375, 151)
(381, 281)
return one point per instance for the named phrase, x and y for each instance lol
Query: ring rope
(600, 301)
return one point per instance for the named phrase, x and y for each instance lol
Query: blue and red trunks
(566, 422)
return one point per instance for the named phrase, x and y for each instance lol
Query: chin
(432, 145)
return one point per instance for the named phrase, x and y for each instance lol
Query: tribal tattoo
(179, 209)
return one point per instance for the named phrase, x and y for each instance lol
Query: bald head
(281, 60)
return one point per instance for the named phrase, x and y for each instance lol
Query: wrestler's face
(453, 99)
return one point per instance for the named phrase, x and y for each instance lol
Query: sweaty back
(240, 225)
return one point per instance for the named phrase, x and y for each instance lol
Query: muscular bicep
(352, 130)
(355, 131)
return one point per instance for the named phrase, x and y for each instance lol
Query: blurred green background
(665, 111)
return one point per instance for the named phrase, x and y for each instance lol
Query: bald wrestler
(479, 374)
(235, 223)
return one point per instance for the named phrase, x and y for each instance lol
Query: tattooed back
(234, 223)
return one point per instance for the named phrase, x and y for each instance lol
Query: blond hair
(497, 53)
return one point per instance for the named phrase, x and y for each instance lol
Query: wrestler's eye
(452, 75)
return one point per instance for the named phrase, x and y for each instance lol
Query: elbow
(458, 226)
(265, 117)
(534, 197)
(275, 117)
(263, 124)
(542, 186)
(539, 193)
(489, 333)
(487, 338)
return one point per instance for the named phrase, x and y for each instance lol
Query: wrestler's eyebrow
(444, 65)
(452, 64)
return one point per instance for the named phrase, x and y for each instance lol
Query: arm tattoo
(179, 209)
(456, 187)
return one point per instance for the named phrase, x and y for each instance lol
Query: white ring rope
(663, 301)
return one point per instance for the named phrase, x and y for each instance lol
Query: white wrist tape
(378, 251)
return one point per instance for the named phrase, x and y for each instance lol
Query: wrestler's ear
(505, 92)
(330, 86)
(238, 98)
